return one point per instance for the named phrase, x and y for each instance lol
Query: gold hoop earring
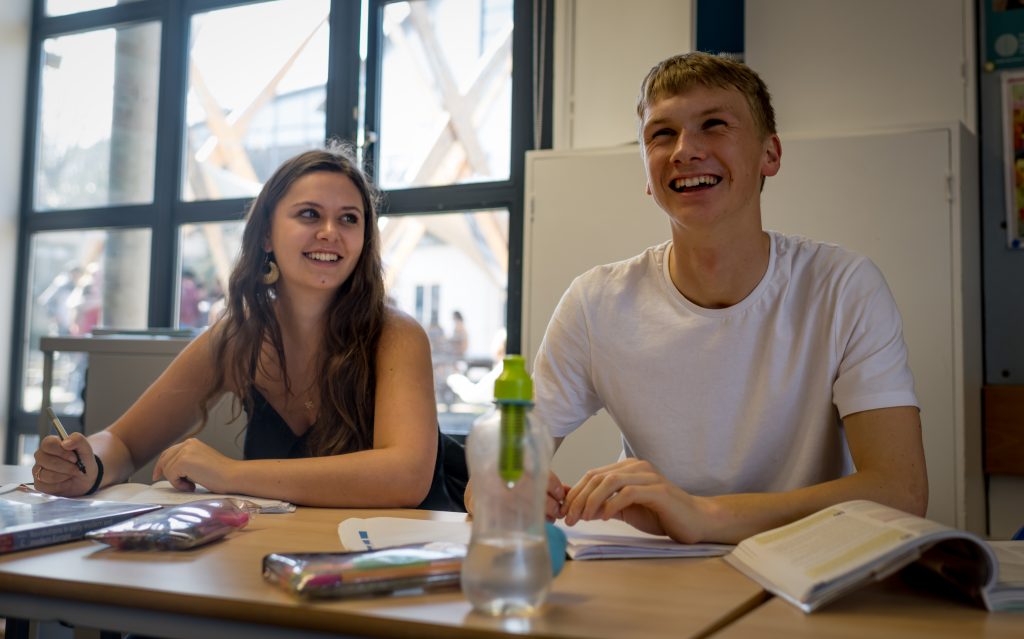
(271, 273)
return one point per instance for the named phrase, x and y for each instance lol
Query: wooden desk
(219, 591)
(888, 609)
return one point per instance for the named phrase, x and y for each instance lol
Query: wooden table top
(891, 608)
(621, 598)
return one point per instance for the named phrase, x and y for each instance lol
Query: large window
(453, 60)
(152, 123)
(451, 167)
(450, 272)
(256, 95)
(96, 140)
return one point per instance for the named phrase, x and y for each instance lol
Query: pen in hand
(63, 434)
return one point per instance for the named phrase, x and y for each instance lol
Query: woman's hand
(55, 471)
(192, 462)
(635, 492)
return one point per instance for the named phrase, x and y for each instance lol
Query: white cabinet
(908, 200)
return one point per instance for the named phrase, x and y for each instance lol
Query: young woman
(337, 386)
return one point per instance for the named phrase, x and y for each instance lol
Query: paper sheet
(586, 540)
(163, 493)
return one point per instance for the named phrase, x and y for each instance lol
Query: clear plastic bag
(178, 527)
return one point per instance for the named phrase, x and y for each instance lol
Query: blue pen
(63, 434)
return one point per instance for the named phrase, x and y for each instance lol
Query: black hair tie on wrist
(99, 476)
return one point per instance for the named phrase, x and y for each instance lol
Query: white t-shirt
(740, 399)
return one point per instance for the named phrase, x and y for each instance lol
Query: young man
(739, 364)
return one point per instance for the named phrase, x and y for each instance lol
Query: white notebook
(615, 539)
(611, 539)
(163, 493)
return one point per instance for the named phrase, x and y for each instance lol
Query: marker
(63, 434)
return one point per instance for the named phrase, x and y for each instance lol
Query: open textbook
(611, 539)
(814, 560)
(29, 518)
(164, 494)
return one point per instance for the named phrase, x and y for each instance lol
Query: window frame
(167, 212)
(165, 215)
(498, 194)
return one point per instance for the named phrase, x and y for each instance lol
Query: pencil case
(178, 527)
(331, 575)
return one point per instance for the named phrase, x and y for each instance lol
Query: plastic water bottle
(507, 570)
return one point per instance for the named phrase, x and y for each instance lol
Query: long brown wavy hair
(352, 328)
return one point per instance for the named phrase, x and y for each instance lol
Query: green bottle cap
(514, 383)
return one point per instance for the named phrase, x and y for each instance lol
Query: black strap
(456, 472)
(447, 487)
(99, 476)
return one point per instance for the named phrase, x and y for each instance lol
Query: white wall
(831, 65)
(602, 51)
(15, 20)
(835, 66)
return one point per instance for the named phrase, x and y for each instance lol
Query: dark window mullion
(169, 149)
(203, 211)
(439, 199)
(32, 111)
(191, 7)
(343, 71)
(521, 142)
(522, 139)
(116, 15)
(522, 88)
(374, 52)
(17, 422)
(113, 217)
(547, 14)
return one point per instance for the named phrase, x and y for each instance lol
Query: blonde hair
(681, 73)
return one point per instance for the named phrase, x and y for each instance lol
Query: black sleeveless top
(267, 436)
